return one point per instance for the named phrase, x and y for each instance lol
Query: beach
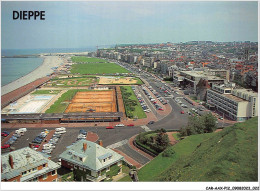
(46, 68)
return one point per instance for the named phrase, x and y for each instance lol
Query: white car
(120, 125)
(23, 129)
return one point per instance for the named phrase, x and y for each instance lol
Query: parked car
(151, 122)
(120, 125)
(5, 133)
(82, 131)
(110, 127)
(5, 146)
(10, 142)
(161, 109)
(131, 124)
(182, 112)
(81, 136)
(17, 135)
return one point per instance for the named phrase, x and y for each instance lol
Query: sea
(14, 68)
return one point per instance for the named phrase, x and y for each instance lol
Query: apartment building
(236, 104)
(28, 165)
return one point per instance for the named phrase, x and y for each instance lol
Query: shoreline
(41, 71)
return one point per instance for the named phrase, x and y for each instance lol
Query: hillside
(229, 155)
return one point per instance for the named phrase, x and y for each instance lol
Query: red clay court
(93, 101)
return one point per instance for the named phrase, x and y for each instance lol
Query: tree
(199, 125)
(209, 123)
(161, 141)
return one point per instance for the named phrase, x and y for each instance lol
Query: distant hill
(229, 155)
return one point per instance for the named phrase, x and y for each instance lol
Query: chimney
(100, 142)
(11, 162)
(84, 146)
(31, 145)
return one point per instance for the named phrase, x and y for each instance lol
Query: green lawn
(88, 66)
(73, 82)
(46, 92)
(86, 59)
(228, 155)
(138, 112)
(175, 135)
(139, 82)
(153, 169)
(125, 179)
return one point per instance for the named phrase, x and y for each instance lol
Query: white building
(236, 104)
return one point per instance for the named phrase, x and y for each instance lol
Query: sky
(84, 24)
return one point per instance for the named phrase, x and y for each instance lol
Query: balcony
(96, 179)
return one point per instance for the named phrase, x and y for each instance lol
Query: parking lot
(108, 136)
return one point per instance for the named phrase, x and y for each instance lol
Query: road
(174, 121)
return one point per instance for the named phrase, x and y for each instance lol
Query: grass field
(229, 155)
(151, 171)
(73, 82)
(61, 104)
(46, 92)
(175, 135)
(87, 66)
(86, 59)
(138, 111)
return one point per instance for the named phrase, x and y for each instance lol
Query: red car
(131, 124)
(5, 146)
(36, 146)
(4, 134)
(161, 109)
(110, 127)
(182, 112)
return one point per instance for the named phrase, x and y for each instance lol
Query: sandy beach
(41, 71)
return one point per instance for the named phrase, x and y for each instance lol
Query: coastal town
(119, 113)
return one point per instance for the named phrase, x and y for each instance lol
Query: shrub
(168, 153)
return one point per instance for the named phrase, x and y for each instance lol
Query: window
(104, 160)
(44, 176)
(44, 165)
(25, 172)
(108, 169)
(34, 169)
(75, 167)
(54, 172)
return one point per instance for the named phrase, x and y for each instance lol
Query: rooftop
(202, 74)
(247, 91)
(25, 159)
(232, 97)
(93, 155)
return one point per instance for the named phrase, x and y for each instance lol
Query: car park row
(153, 101)
(18, 133)
(141, 100)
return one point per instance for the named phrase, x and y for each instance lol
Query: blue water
(14, 68)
